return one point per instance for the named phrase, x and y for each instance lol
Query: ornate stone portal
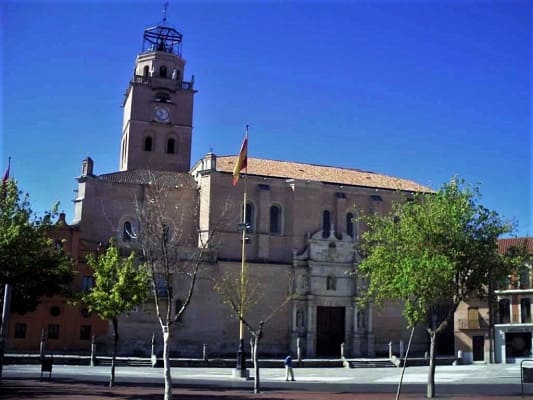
(324, 310)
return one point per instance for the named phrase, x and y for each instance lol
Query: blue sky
(423, 90)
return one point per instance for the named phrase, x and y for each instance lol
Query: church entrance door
(329, 330)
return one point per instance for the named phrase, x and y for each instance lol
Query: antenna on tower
(165, 6)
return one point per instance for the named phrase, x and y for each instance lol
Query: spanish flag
(242, 161)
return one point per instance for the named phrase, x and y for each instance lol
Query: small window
(326, 224)
(146, 70)
(525, 310)
(275, 219)
(350, 225)
(55, 311)
(331, 283)
(127, 232)
(161, 285)
(53, 331)
(250, 211)
(163, 71)
(58, 244)
(20, 331)
(85, 332)
(87, 283)
(148, 143)
(171, 145)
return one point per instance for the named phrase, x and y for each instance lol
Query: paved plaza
(83, 382)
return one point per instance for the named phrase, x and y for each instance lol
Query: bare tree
(243, 296)
(172, 248)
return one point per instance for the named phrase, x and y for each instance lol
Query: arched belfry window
(163, 71)
(171, 145)
(275, 219)
(146, 70)
(326, 223)
(148, 143)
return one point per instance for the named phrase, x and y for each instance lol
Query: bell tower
(158, 106)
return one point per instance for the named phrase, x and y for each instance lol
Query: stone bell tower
(158, 107)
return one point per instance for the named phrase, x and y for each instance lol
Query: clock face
(162, 114)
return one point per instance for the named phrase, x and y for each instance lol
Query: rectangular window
(53, 331)
(85, 332)
(525, 310)
(473, 318)
(20, 331)
(87, 283)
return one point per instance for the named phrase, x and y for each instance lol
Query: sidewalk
(34, 389)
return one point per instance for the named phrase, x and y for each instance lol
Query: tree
(440, 248)
(241, 296)
(119, 286)
(31, 266)
(172, 248)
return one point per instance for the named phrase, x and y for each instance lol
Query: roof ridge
(306, 163)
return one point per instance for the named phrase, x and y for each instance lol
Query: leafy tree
(30, 265)
(119, 286)
(29, 260)
(439, 249)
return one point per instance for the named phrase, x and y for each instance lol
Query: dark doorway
(329, 330)
(478, 348)
(518, 344)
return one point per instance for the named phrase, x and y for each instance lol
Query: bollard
(204, 352)
(93, 352)
(42, 345)
(401, 349)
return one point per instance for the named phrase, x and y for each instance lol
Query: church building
(302, 226)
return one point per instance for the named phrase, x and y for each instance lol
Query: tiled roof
(321, 173)
(505, 244)
(145, 177)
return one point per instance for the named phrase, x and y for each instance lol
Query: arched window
(163, 71)
(275, 219)
(250, 211)
(326, 225)
(171, 146)
(146, 70)
(504, 311)
(331, 283)
(148, 143)
(350, 225)
(127, 232)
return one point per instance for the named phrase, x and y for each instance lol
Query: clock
(162, 114)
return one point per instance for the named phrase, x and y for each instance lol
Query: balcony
(466, 324)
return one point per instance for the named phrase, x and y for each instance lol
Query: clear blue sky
(420, 89)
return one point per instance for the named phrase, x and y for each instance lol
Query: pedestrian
(288, 368)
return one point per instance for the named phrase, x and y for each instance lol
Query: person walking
(288, 368)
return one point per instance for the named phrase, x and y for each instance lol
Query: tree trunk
(166, 362)
(257, 382)
(113, 358)
(431, 372)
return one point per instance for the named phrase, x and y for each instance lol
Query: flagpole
(241, 355)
